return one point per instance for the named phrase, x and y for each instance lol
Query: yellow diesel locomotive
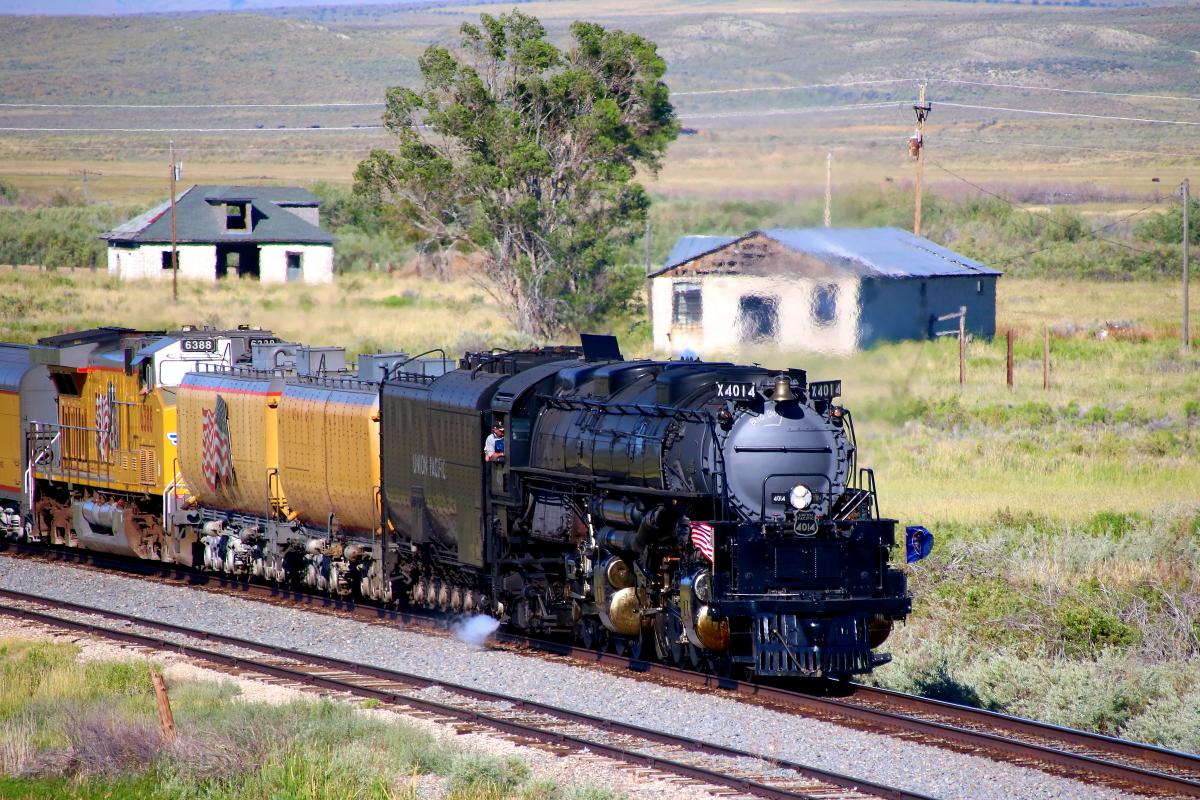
(228, 450)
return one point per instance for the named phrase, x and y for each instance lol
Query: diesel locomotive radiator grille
(785, 645)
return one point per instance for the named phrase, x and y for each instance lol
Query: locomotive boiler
(713, 512)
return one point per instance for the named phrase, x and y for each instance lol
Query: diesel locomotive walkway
(1077, 754)
(742, 771)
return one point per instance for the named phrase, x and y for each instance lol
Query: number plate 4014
(736, 391)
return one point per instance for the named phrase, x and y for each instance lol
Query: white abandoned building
(822, 289)
(271, 233)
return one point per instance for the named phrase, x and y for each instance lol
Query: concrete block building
(819, 289)
(271, 233)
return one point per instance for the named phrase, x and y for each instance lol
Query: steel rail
(799, 702)
(846, 708)
(474, 717)
(979, 716)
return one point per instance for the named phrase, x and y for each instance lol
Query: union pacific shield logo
(216, 460)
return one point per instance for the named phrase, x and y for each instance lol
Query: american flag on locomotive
(702, 538)
(216, 459)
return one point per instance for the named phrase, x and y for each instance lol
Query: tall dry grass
(364, 312)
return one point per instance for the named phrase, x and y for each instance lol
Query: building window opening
(167, 262)
(235, 216)
(978, 287)
(758, 318)
(824, 305)
(295, 266)
(687, 308)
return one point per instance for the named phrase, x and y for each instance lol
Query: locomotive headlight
(800, 497)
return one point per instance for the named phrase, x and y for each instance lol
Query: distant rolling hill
(351, 54)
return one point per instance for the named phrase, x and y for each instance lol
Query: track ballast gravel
(903, 763)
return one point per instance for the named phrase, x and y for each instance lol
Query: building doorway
(238, 259)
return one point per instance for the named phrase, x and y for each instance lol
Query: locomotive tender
(708, 514)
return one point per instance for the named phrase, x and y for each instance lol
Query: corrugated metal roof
(689, 247)
(200, 217)
(888, 252)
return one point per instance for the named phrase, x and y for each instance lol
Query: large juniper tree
(528, 154)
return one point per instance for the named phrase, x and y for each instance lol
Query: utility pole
(916, 148)
(829, 189)
(95, 175)
(1187, 212)
(174, 240)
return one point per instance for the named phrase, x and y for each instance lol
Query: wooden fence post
(1010, 358)
(962, 346)
(163, 702)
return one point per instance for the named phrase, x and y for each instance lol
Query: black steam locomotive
(710, 512)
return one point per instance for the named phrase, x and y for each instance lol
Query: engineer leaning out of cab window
(493, 446)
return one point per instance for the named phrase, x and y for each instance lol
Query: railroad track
(1077, 754)
(469, 709)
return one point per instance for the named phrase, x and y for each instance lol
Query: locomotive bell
(783, 389)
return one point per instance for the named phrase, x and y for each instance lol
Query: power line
(192, 130)
(808, 110)
(877, 82)
(1092, 234)
(1068, 114)
(196, 148)
(1067, 91)
(370, 105)
(218, 105)
(963, 83)
(943, 136)
(793, 88)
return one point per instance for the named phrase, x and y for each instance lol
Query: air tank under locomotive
(713, 512)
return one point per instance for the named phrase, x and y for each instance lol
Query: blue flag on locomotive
(919, 542)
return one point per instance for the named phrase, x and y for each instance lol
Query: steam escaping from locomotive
(475, 630)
